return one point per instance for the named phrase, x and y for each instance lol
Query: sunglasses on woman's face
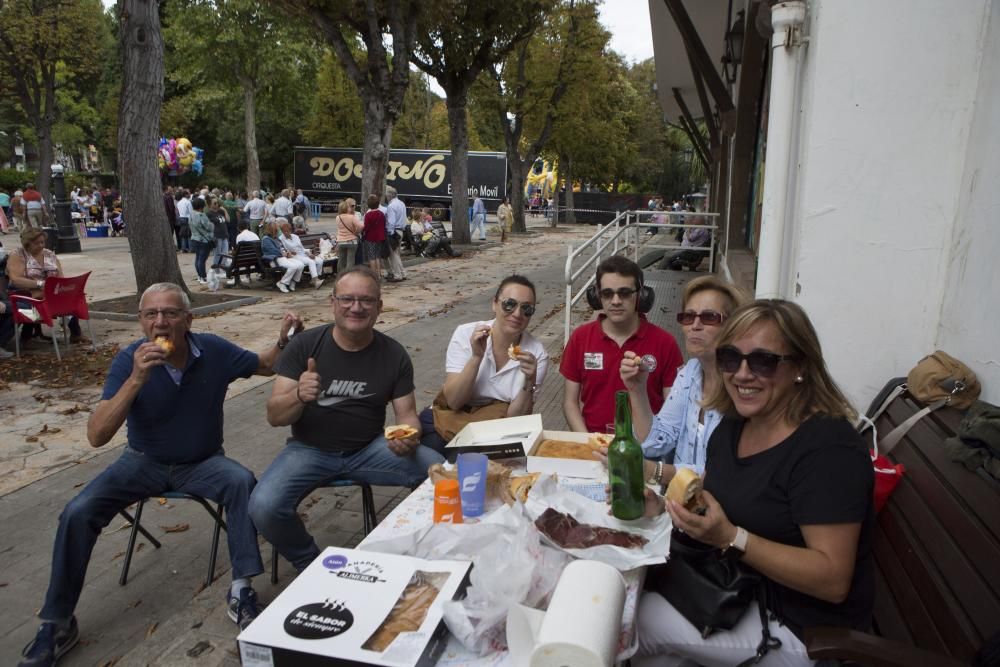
(760, 362)
(709, 318)
(509, 305)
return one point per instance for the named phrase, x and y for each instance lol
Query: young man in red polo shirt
(592, 359)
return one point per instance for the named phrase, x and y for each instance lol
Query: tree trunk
(45, 156)
(378, 138)
(518, 172)
(566, 167)
(458, 131)
(250, 134)
(150, 235)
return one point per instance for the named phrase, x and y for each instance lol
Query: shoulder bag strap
(882, 408)
(897, 434)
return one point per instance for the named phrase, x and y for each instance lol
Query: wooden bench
(247, 260)
(937, 555)
(311, 242)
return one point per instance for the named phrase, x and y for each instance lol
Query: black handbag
(708, 589)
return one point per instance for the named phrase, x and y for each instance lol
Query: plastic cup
(447, 502)
(472, 479)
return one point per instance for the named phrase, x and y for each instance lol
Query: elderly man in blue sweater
(169, 386)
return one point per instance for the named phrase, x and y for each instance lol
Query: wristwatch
(738, 546)
(281, 346)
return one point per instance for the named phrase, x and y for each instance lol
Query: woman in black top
(788, 484)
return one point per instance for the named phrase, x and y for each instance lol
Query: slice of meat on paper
(569, 533)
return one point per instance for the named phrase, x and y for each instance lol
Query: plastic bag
(510, 566)
(213, 280)
(325, 248)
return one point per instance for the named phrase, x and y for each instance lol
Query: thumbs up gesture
(309, 383)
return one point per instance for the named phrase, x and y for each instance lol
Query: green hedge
(12, 179)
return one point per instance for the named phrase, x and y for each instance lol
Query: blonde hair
(734, 295)
(343, 206)
(817, 393)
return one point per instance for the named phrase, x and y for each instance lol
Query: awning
(673, 69)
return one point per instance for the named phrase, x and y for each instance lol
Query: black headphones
(644, 302)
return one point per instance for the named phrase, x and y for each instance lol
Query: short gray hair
(167, 287)
(390, 192)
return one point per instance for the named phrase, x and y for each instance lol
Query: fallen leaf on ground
(162, 501)
(31, 438)
(176, 528)
(117, 556)
(151, 629)
(135, 604)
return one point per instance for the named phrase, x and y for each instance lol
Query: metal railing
(627, 234)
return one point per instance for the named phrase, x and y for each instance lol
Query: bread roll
(513, 351)
(685, 489)
(165, 344)
(564, 449)
(521, 486)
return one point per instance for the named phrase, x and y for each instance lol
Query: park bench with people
(247, 260)
(937, 553)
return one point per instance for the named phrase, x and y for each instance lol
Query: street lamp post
(68, 241)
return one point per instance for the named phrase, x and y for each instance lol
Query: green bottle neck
(623, 416)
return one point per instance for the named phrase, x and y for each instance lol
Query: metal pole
(67, 241)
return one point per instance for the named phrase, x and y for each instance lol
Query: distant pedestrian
(505, 219)
(395, 223)
(478, 219)
(34, 206)
(374, 235)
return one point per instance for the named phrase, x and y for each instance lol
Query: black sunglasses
(760, 362)
(623, 293)
(707, 317)
(509, 305)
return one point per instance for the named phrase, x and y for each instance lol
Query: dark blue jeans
(300, 468)
(132, 477)
(201, 253)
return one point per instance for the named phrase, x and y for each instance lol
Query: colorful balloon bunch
(178, 156)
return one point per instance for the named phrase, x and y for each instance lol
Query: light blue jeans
(478, 221)
(300, 468)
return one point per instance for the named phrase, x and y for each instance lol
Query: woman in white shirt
(480, 368)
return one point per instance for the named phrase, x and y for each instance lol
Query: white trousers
(667, 639)
(293, 269)
(478, 221)
(310, 264)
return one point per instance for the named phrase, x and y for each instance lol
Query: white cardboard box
(564, 467)
(507, 438)
(337, 607)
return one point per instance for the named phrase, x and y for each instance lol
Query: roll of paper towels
(580, 627)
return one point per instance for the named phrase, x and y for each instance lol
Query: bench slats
(897, 574)
(886, 611)
(966, 510)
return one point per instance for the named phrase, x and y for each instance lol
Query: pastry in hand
(400, 432)
(165, 344)
(513, 351)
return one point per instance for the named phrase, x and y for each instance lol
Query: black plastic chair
(367, 511)
(216, 514)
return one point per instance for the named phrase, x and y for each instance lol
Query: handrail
(627, 224)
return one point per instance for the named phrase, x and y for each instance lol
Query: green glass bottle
(625, 465)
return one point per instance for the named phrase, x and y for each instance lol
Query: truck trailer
(421, 177)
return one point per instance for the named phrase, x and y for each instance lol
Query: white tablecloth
(417, 511)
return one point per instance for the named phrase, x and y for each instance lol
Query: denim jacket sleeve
(670, 423)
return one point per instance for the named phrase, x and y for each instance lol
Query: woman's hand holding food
(713, 528)
(632, 372)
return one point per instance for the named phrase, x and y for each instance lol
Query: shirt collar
(639, 333)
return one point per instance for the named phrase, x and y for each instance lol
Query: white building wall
(888, 108)
(970, 316)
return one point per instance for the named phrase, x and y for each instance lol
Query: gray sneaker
(50, 644)
(243, 609)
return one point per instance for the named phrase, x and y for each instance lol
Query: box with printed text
(353, 607)
(507, 438)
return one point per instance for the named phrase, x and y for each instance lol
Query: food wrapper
(546, 493)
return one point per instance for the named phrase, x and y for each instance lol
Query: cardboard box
(507, 438)
(335, 613)
(565, 467)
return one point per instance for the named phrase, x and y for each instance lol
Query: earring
(799, 379)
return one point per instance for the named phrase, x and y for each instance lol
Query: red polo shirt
(592, 359)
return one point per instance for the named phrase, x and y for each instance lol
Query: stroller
(117, 222)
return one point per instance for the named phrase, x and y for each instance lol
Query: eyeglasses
(510, 305)
(623, 293)
(709, 318)
(366, 302)
(150, 314)
(760, 362)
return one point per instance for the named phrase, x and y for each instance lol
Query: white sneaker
(202, 281)
(291, 285)
(318, 282)
(283, 287)
(230, 282)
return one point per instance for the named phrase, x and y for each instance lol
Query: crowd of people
(788, 483)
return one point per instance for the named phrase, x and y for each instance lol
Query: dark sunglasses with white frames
(509, 305)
